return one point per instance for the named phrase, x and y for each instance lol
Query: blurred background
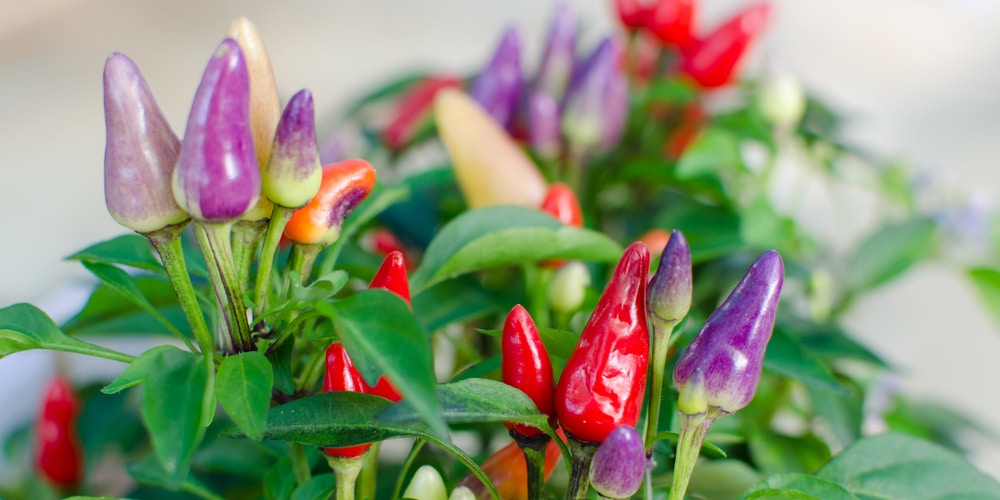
(916, 78)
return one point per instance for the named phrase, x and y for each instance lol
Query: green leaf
(386, 90)
(775, 453)
(711, 231)
(172, 408)
(130, 250)
(890, 251)
(786, 356)
(324, 287)
(797, 486)
(338, 419)
(987, 282)
(138, 370)
(24, 327)
(149, 471)
(105, 312)
(125, 285)
(711, 152)
(451, 301)
(243, 385)
(281, 363)
(319, 487)
(382, 336)
(900, 466)
(474, 400)
(500, 235)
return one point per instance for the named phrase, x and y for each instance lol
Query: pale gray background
(918, 77)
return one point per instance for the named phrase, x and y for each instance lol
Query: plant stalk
(534, 448)
(693, 431)
(346, 471)
(661, 345)
(167, 242)
(215, 243)
(579, 477)
(300, 464)
(279, 219)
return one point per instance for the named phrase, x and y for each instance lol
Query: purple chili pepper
(543, 125)
(140, 152)
(669, 295)
(597, 103)
(729, 349)
(619, 464)
(559, 58)
(217, 177)
(498, 87)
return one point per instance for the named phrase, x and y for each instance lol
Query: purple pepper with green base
(498, 87)
(619, 463)
(719, 371)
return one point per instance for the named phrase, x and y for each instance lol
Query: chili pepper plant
(560, 280)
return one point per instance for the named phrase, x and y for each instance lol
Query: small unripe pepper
(292, 174)
(140, 153)
(426, 484)
(344, 185)
(619, 464)
(342, 376)
(58, 452)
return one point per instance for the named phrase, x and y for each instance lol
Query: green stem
(579, 477)
(246, 238)
(346, 471)
(693, 431)
(534, 448)
(537, 280)
(407, 465)
(369, 473)
(661, 344)
(167, 243)
(215, 243)
(301, 261)
(279, 218)
(300, 464)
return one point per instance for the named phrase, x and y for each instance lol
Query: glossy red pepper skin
(670, 21)
(561, 202)
(391, 275)
(342, 376)
(632, 13)
(712, 61)
(412, 108)
(603, 383)
(59, 454)
(525, 365)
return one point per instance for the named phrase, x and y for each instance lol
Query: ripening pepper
(781, 100)
(619, 464)
(490, 168)
(412, 109)
(670, 21)
(597, 103)
(426, 484)
(265, 107)
(604, 380)
(729, 348)
(293, 173)
(712, 61)
(391, 275)
(568, 287)
(343, 186)
(559, 58)
(525, 365)
(217, 178)
(498, 87)
(342, 376)
(140, 152)
(58, 452)
(507, 469)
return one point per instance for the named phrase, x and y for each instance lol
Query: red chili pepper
(526, 366)
(712, 61)
(59, 454)
(632, 13)
(344, 185)
(342, 376)
(506, 468)
(603, 383)
(560, 202)
(391, 275)
(670, 21)
(412, 108)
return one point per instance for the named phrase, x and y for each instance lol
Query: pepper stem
(279, 219)
(579, 477)
(301, 261)
(214, 240)
(693, 431)
(346, 471)
(661, 345)
(534, 448)
(369, 473)
(167, 242)
(246, 237)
